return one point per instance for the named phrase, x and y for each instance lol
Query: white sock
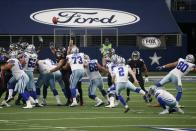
(58, 99)
(28, 102)
(97, 99)
(10, 93)
(142, 92)
(74, 100)
(112, 101)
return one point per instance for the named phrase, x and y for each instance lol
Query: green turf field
(89, 118)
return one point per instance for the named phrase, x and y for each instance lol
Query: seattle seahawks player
(166, 100)
(120, 78)
(92, 68)
(31, 60)
(182, 67)
(20, 78)
(76, 62)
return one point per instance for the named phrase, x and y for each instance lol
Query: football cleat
(73, 104)
(4, 103)
(99, 103)
(27, 107)
(126, 110)
(180, 111)
(166, 111)
(38, 105)
(110, 106)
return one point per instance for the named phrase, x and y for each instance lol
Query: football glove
(160, 67)
(146, 80)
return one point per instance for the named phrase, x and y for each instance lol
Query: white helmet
(30, 48)
(13, 54)
(74, 50)
(190, 58)
(121, 60)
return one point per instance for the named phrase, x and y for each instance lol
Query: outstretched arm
(58, 67)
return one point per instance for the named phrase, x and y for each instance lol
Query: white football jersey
(111, 67)
(76, 61)
(31, 59)
(165, 95)
(183, 67)
(92, 70)
(45, 65)
(121, 72)
(17, 70)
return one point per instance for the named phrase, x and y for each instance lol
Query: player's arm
(170, 65)
(59, 66)
(113, 78)
(194, 68)
(133, 75)
(66, 66)
(101, 68)
(6, 66)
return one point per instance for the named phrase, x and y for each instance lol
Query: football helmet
(135, 55)
(190, 58)
(30, 48)
(13, 54)
(74, 50)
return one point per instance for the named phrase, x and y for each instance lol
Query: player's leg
(100, 85)
(79, 87)
(119, 88)
(20, 88)
(129, 90)
(53, 88)
(66, 77)
(74, 78)
(58, 78)
(164, 80)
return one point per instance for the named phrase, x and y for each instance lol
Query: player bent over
(166, 100)
(19, 77)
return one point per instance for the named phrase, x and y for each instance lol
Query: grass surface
(90, 118)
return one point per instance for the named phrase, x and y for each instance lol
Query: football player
(19, 78)
(47, 78)
(166, 100)
(5, 76)
(182, 67)
(120, 78)
(138, 66)
(76, 62)
(31, 60)
(92, 68)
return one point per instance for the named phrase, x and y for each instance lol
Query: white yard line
(101, 126)
(95, 118)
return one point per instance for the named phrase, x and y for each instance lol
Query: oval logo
(151, 42)
(84, 17)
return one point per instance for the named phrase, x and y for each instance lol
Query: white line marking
(95, 118)
(101, 126)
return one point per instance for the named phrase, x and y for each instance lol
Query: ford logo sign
(151, 42)
(84, 17)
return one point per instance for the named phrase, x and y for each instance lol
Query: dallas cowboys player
(76, 62)
(47, 78)
(120, 78)
(31, 60)
(92, 68)
(20, 78)
(166, 100)
(182, 67)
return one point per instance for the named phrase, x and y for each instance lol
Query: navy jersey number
(31, 63)
(93, 67)
(77, 59)
(182, 66)
(121, 71)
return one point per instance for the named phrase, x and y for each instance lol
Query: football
(55, 20)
